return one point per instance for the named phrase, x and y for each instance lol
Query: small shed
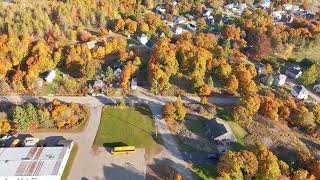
(50, 76)
(117, 73)
(134, 83)
(219, 130)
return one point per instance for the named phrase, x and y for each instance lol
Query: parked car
(214, 155)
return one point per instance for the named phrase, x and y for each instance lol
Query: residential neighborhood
(159, 90)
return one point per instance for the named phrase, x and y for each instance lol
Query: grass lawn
(204, 171)
(237, 130)
(311, 53)
(130, 126)
(72, 156)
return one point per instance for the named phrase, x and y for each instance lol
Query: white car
(192, 26)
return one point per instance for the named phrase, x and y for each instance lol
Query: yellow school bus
(123, 150)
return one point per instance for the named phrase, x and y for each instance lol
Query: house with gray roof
(300, 92)
(219, 130)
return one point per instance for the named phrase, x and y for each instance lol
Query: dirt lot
(289, 144)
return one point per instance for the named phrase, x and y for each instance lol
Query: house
(160, 9)
(33, 163)
(267, 79)
(229, 6)
(208, 12)
(279, 80)
(219, 130)
(143, 39)
(117, 73)
(50, 76)
(189, 17)
(177, 30)
(134, 83)
(293, 72)
(316, 88)
(260, 68)
(174, 3)
(277, 15)
(91, 44)
(265, 3)
(300, 92)
(179, 19)
(98, 84)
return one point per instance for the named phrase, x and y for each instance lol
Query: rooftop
(31, 161)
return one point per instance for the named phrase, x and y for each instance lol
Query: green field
(126, 126)
(310, 53)
(68, 167)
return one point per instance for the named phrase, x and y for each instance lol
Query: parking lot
(104, 165)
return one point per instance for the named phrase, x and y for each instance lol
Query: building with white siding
(33, 163)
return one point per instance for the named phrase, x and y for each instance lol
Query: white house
(50, 76)
(177, 30)
(280, 80)
(134, 83)
(143, 39)
(300, 92)
(265, 4)
(277, 15)
(33, 163)
(160, 9)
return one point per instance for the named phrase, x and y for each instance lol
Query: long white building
(33, 163)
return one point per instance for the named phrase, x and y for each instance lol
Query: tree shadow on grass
(143, 109)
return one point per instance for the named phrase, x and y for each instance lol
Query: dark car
(215, 155)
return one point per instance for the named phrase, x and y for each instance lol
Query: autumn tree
(162, 65)
(5, 126)
(118, 25)
(302, 117)
(251, 102)
(268, 164)
(204, 91)
(126, 74)
(310, 75)
(302, 175)
(232, 85)
(201, 23)
(174, 111)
